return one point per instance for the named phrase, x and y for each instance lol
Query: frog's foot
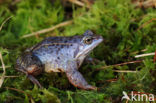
(76, 78)
(34, 80)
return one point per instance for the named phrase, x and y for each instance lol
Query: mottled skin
(59, 54)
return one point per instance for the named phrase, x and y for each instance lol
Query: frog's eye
(87, 40)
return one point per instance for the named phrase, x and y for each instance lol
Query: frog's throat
(87, 51)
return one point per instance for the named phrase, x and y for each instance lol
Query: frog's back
(59, 39)
(55, 54)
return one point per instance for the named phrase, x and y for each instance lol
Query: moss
(117, 21)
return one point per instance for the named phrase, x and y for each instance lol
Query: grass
(128, 31)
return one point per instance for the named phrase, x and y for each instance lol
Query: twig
(10, 76)
(21, 91)
(111, 80)
(146, 23)
(154, 59)
(15, 2)
(48, 29)
(18, 90)
(125, 63)
(127, 101)
(5, 66)
(145, 4)
(88, 2)
(31, 99)
(125, 71)
(3, 74)
(79, 3)
(143, 55)
(5, 22)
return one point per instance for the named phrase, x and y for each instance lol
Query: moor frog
(59, 54)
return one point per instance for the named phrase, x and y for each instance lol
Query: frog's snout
(99, 38)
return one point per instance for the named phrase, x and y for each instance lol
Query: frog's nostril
(99, 38)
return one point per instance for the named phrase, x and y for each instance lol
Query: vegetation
(127, 30)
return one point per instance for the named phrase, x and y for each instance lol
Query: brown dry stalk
(21, 91)
(32, 101)
(125, 63)
(88, 2)
(5, 66)
(111, 80)
(48, 29)
(1, 58)
(5, 22)
(154, 59)
(125, 71)
(127, 101)
(15, 2)
(3, 74)
(143, 55)
(12, 76)
(143, 25)
(145, 4)
(79, 3)
(121, 64)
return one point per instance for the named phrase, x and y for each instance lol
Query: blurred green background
(128, 31)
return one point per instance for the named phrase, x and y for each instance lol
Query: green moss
(117, 21)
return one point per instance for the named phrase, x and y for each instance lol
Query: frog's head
(87, 43)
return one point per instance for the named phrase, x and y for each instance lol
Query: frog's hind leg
(31, 66)
(76, 78)
(30, 72)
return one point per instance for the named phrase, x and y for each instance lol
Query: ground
(127, 31)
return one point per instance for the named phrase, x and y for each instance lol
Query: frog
(59, 54)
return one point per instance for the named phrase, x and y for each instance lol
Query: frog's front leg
(76, 78)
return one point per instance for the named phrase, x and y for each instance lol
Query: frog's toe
(89, 87)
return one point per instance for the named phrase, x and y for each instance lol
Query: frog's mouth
(90, 47)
